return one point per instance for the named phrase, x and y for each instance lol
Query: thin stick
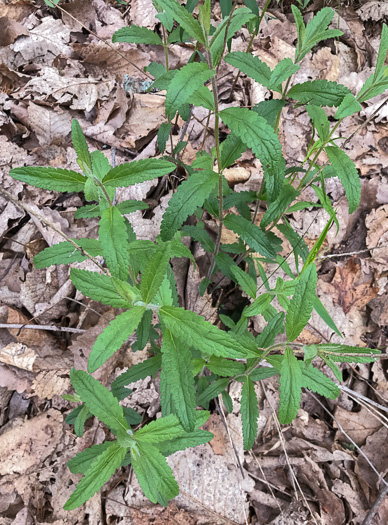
(376, 505)
(53, 227)
(350, 439)
(104, 42)
(348, 254)
(51, 328)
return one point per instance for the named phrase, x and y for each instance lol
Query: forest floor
(328, 466)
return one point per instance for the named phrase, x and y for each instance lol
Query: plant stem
(100, 184)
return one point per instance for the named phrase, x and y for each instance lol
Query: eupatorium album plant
(196, 360)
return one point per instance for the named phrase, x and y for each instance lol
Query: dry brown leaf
(50, 126)
(143, 13)
(49, 383)
(19, 355)
(19, 453)
(375, 10)
(359, 425)
(10, 30)
(377, 224)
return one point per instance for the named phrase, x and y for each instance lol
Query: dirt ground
(328, 466)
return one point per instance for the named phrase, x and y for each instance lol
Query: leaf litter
(52, 71)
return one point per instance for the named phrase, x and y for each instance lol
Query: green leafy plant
(196, 360)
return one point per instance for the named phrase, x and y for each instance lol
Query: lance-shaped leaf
(302, 304)
(231, 149)
(137, 171)
(246, 282)
(98, 287)
(267, 244)
(114, 242)
(356, 355)
(195, 331)
(258, 135)
(290, 388)
(273, 328)
(348, 106)
(56, 179)
(81, 463)
(65, 253)
(184, 19)
(225, 367)
(212, 391)
(190, 195)
(187, 440)
(259, 305)
(249, 413)
(347, 173)
(178, 370)
(80, 146)
(99, 473)
(136, 35)
(162, 429)
(282, 72)
(100, 401)
(251, 66)
(187, 80)
(315, 380)
(113, 336)
(319, 93)
(149, 367)
(155, 272)
(153, 473)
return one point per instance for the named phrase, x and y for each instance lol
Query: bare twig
(376, 505)
(53, 227)
(51, 328)
(349, 254)
(223, 419)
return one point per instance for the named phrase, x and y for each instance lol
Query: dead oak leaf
(350, 288)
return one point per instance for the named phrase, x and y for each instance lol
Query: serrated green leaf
(190, 195)
(356, 353)
(348, 106)
(325, 316)
(203, 97)
(113, 336)
(80, 420)
(137, 171)
(114, 242)
(289, 388)
(231, 149)
(162, 429)
(88, 211)
(315, 380)
(251, 66)
(149, 367)
(177, 366)
(259, 305)
(297, 242)
(152, 471)
(333, 367)
(99, 473)
(320, 121)
(155, 272)
(258, 135)
(212, 391)
(187, 80)
(136, 35)
(285, 69)
(194, 330)
(269, 109)
(382, 55)
(184, 19)
(274, 327)
(65, 253)
(249, 413)
(80, 146)
(127, 207)
(225, 367)
(279, 205)
(232, 24)
(348, 175)
(319, 93)
(246, 282)
(163, 135)
(228, 402)
(81, 463)
(301, 305)
(100, 164)
(263, 372)
(267, 244)
(98, 287)
(56, 179)
(100, 401)
(190, 439)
